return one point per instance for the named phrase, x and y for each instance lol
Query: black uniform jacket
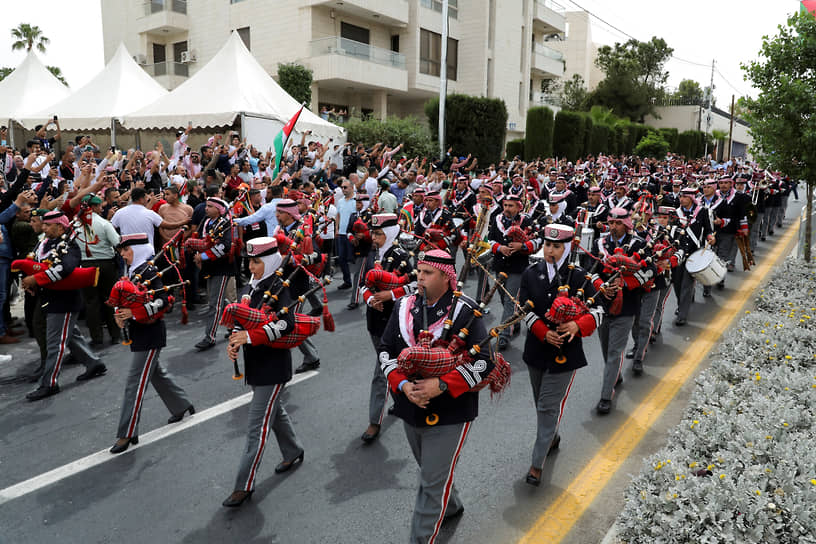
(147, 336)
(449, 408)
(377, 320)
(65, 258)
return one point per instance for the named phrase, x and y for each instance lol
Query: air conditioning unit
(188, 56)
(140, 59)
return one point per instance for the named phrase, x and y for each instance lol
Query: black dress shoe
(305, 367)
(344, 286)
(604, 406)
(352, 306)
(178, 417)
(504, 343)
(316, 312)
(43, 392)
(534, 481)
(368, 438)
(706, 292)
(555, 443)
(637, 367)
(123, 444)
(205, 344)
(721, 285)
(630, 354)
(93, 372)
(516, 329)
(679, 322)
(237, 498)
(288, 465)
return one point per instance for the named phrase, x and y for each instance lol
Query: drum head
(699, 260)
(457, 222)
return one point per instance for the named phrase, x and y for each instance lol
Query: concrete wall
(685, 118)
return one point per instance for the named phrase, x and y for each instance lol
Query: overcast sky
(698, 30)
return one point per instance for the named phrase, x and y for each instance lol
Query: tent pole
(11, 133)
(113, 132)
(243, 119)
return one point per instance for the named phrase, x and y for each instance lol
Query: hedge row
(473, 125)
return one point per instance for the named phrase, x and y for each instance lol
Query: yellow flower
(784, 424)
(722, 476)
(693, 464)
(786, 389)
(813, 481)
(758, 492)
(747, 311)
(788, 357)
(769, 437)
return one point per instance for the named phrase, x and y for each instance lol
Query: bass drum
(705, 267)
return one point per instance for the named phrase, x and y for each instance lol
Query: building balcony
(163, 17)
(392, 13)
(168, 74)
(548, 17)
(341, 59)
(547, 62)
(436, 5)
(549, 100)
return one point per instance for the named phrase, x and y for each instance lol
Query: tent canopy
(233, 82)
(120, 88)
(29, 88)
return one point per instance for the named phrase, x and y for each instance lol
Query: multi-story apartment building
(381, 57)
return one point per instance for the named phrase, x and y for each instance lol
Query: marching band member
(267, 371)
(485, 213)
(620, 199)
(551, 378)
(511, 255)
(437, 412)
(614, 330)
(666, 217)
(434, 223)
(147, 340)
(216, 265)
(735, 224)
(380, 302)
(696, 222)
(61, 308)
(359, 237)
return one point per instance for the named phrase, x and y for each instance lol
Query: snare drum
(408, 242)
(705, 267)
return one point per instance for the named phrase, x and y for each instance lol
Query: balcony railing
(547, 52)
(156, 6)
(167, 68)
(436, 5)
(336, 45)
(555, 6)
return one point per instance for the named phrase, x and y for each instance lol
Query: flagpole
(443, 80)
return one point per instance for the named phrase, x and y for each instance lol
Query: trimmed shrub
(622, 137)
(670, 135)
(516, 147)
(414, 135)
(652, 145)
(538, 141)
(589, 124)
(473, 125)
(568, 135)
(296, 80)
(602, 140)
(691, 143)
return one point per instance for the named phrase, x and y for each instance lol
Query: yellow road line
(557, 521)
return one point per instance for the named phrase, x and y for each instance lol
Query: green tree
(538, 134)
(27, 37)
(635, 77)
(57, 73)
(574, 95)
(652, 145)
(4, 72)
(783, 124)
(719, 136)
(296, 80)
(473, 125)
(688, 92)
(409, 131)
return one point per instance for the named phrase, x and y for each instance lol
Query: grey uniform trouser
(644, 323)
(662, 298)
(754, 231)
(61, 334)
(512, 284)
(726, 247)
(772, 212)
(613, 334)
(219, 291)
(379, 388)
(685, 293)
(485, 259)
(550, 392)
(436, 450)
(265, 411)
(145, 368)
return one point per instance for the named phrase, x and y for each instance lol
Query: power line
(739, 92)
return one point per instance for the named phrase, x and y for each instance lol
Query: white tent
(232, 84)
(120, 88)
(28, 89)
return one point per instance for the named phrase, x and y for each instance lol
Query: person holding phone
(46, 143)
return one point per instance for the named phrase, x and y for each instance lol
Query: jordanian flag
(808, 6)
(281, 139)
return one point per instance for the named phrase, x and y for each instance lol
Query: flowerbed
(741, 466)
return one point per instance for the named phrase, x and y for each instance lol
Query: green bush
(538, 133)
(589, 125)
(296, 80)
(602, 140)
(473, 125)
(670, 135)
(516, 147)
(622, 137)
(413, 134)
(568, 135)
(652, 145)
(691, 143)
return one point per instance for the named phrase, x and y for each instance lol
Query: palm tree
(57, 73)
(28, 36)
(720, 136)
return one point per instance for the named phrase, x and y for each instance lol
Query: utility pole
(731, 128)
(708, 113)
(443, 80)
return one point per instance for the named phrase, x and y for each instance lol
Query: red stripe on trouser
(264, 434)
(61, 352)
(216, 318)
(564, 401)
(617, 376)
(449, 482)
(385, 401)
(137, 405)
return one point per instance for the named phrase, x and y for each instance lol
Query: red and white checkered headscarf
(441, 260)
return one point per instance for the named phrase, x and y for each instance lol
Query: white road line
(47, 478)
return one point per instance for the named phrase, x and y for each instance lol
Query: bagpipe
(240, 316)
(80, 277)
(430, 358)
(199, 244)
(385, 278)
(134, 293)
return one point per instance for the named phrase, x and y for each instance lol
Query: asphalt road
(345, 492)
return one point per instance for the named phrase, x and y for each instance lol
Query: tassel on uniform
(185, 315)
(328, 319)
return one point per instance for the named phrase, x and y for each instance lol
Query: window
(159, 58)
(436, 5)
(395, 43)
(354, 32)
(430, 54)
(178, 49)
(244, 34)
